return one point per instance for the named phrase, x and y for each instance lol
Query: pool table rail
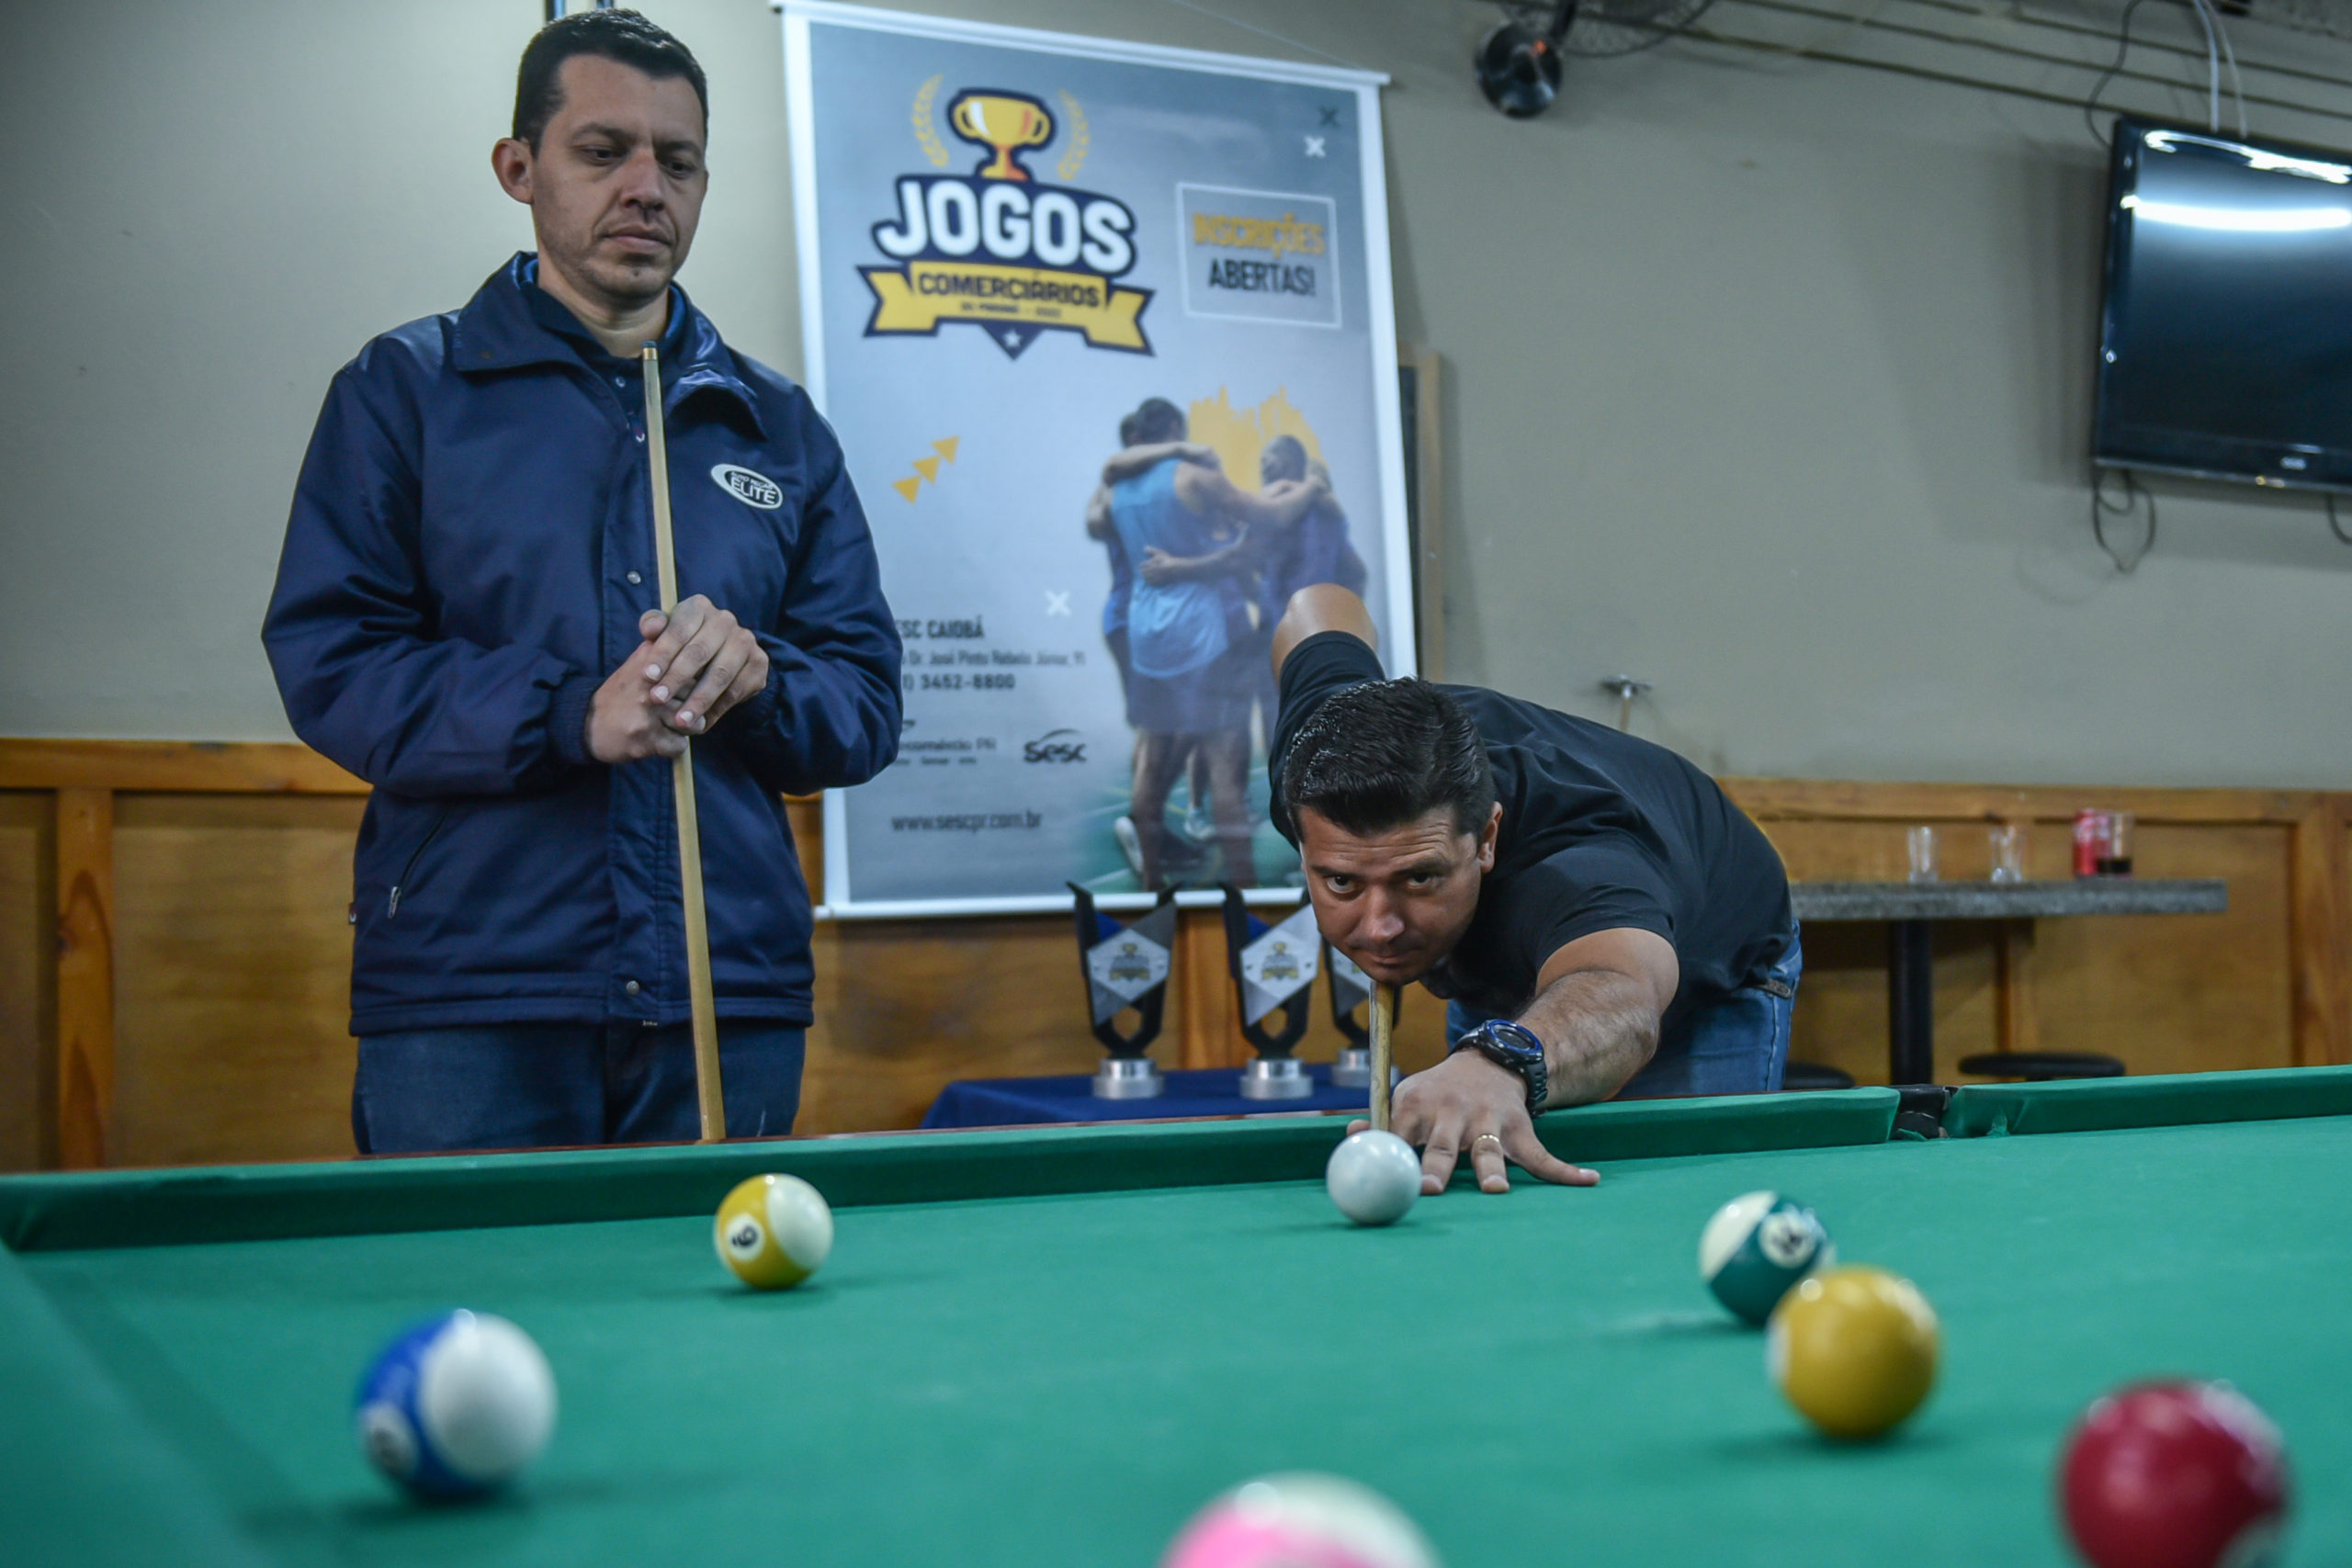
(144, 1208)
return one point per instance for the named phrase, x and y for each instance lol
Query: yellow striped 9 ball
(1854, 1350)
(773, 1232)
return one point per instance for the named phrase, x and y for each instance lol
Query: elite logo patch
(749, 486)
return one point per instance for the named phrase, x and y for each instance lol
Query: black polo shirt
(1601, 831)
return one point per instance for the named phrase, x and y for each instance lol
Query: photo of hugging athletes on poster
(1200, 567)
(1106, 334)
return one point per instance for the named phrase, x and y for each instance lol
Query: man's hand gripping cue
(1597, 1007)
(691, 669)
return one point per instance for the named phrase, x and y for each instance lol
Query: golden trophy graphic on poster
(1006, 121)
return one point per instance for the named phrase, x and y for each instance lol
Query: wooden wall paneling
(1208, 1023)
(27, 981)
(214, 766)
(2321, 955)
(2164, 993)
(1840, 1018)
(234, 946)
(2180, 993)
(905, 1006)
(229, 952)
(1869, 801)
(804, 818)
(2020, 1026)
(86, 961)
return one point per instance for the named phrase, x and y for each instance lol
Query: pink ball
(1300, 1521)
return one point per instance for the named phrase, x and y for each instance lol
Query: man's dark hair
(1158, 420)
(623, 36)
(1127, 430)
(1283, 458)
(1385, 753)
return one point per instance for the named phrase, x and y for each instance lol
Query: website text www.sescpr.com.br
(967, 822)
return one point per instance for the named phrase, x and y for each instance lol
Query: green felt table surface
(1051, 1346)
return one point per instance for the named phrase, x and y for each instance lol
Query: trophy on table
(1125, 966)
(1350, 989)
(1273, 968)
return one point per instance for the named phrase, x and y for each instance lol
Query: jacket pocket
(406, 881)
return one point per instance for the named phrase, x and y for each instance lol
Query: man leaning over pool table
(1602, 918)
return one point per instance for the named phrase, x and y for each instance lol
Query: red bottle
(2091, 842)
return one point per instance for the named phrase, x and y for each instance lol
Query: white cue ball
(1374, 1176)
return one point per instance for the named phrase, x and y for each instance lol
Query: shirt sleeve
(1323, 663)
(1604, 883)
(364, 678)
(830, 715)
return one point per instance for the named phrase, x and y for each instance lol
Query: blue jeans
(1737, 1046)
(520, 1086)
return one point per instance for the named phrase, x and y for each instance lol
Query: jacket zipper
(392, 904)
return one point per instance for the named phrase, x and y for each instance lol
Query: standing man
(466, 617)
(1602, 918)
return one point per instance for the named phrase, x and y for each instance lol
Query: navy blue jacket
(471, 548)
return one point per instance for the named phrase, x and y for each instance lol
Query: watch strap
(1515, 1046)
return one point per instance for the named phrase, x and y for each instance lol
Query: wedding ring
(1484, 1137)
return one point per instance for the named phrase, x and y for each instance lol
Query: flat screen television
(2225, 334)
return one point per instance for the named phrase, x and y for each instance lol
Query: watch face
(1515, 1046)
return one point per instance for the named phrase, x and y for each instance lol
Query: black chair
(2041, 1067)
(1801, 1076)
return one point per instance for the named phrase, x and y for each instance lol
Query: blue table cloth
(1204, 1091)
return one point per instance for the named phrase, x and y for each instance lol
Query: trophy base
(1276, 1077)
(1352, 1069)
(1129, 1077)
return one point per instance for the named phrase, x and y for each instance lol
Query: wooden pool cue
(709, 1096)
(1383, 1009)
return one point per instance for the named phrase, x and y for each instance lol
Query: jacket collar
(497, 331)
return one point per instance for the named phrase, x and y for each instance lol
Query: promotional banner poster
(1027, 255)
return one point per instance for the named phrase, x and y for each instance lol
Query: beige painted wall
(1769, 379)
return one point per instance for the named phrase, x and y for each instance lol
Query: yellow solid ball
(773, 1232)
(1854, 1350)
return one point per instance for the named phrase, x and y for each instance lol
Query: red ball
(2173, 1475)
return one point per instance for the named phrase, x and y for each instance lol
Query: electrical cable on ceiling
(2217, 52)
(2336, 105)
(2229, 59)
(1839, 28)
(2122, 48)
(1267, 32)
(2101, 512)
(2212, 69)
(2333, 526)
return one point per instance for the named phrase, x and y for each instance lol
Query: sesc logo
(997, 247)
(749, 486)
(1051, 747)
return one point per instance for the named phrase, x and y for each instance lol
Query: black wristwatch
(1511, 1045)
